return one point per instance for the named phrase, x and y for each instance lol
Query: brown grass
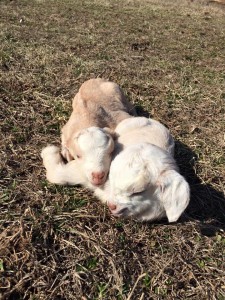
(61, 243)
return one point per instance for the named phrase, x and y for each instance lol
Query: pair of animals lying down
(126, 160)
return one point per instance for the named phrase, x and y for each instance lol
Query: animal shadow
(141, 112)
(207, 205)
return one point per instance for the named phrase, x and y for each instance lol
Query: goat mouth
(121, 213)
(98, 183)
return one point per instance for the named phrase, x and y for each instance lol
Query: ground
(62, 243)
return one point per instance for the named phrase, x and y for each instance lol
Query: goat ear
(111, 132)
(141, 182)
(174, 194)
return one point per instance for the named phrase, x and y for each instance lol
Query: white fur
(57, 171)
(145, 184)
(95, 150)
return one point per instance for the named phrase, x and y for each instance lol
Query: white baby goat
(145, 184)
(101, 104)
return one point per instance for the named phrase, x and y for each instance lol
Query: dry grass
(59, 242)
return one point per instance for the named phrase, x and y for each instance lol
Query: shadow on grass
(207, 204)
(141, 112)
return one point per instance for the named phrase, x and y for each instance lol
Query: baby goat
(99, 104)
(144, 183)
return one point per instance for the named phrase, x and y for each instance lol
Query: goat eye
(78, 156)
(137, 193)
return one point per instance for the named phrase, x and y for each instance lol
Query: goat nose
(98, 175)
(111, 206)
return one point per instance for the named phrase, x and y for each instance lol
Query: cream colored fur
(98, 103)
(143, 130)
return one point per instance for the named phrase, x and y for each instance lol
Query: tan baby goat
(101, 105)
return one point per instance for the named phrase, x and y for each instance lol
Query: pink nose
(98, 176)
(111, 206)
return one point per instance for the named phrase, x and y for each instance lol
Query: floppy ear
(174, 194)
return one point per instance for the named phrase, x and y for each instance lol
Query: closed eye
(137, 193)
